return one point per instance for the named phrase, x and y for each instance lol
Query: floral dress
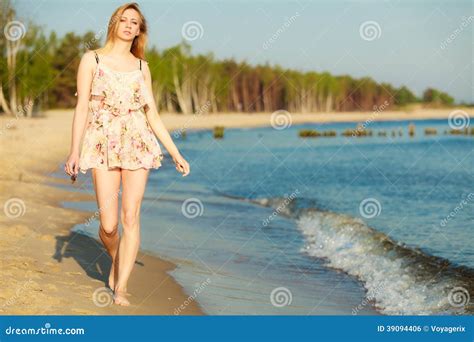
(118, 134)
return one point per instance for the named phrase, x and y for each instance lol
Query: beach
(49, 269)
(46, 269)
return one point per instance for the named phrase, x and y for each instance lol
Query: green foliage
(404, 96)
(436, 97)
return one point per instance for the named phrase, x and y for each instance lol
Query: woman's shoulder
(90, 55)
(144, 66)
(88, 60)
(143, 61)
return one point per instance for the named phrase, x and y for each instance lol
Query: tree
(404, 96)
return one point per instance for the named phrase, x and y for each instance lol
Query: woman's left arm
(159, 128)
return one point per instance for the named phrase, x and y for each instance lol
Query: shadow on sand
(88, 253)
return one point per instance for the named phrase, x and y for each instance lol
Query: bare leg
(134, 182)
(107, 188)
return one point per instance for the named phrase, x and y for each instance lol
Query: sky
(415, 43)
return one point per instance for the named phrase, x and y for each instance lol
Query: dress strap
(140, 64)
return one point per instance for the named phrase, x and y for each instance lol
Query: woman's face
(129, 25)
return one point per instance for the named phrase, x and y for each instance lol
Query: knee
(109, 228)
(129, 219)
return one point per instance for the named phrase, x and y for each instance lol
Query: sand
(46, 268)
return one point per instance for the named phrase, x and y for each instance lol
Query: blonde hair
(139, 42)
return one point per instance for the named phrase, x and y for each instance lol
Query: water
(270, 223)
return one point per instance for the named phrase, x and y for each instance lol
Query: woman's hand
(182, 165)
(72, 165)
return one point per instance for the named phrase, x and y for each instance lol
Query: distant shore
(235, 120)
(46, 268)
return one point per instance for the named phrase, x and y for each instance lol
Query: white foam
(350, 245)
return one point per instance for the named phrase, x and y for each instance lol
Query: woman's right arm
(84, 80)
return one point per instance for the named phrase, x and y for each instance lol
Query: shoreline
(47, 268)
(254, 120)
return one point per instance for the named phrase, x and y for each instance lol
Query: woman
(119, 140)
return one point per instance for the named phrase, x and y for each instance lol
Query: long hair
(139, 42)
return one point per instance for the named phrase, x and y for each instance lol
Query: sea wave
(399, 279)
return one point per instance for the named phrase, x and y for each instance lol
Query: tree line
(38, 72)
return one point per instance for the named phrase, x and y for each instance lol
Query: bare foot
(119, 298)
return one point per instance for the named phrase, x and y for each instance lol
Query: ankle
(120, 288)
